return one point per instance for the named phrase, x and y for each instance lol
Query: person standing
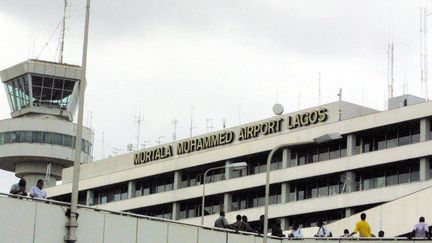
(221, 222)
(245, 225)
(296, 231)
(260, 228)
(421, 230)
(322, 231)
(362, 227)
(37, 191)
(19, 188)
(277, 229)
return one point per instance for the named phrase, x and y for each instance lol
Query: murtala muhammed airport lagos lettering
(226, 137)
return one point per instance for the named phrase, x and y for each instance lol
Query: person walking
(322, 231)
(37, 191)
(245, 225)
(19, 188)
(221, 222)
(362, 227)
(421, 230)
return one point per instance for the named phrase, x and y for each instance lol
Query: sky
(214, 62)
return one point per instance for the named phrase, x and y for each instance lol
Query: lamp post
(237, 166)
(317, 140)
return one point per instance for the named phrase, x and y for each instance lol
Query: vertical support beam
(177, 179)
(351, 144)
(424, 162)
(227, 202)
(175, 210)
(424, 169)
(227, 171)
(285, 189)
(286, 158)
(284, 223)
(131, 189)
(424, 129)
(89, 198)
(349, 212)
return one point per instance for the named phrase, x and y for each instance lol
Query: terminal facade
(381, 156)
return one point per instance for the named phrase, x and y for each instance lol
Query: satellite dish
(278, 109)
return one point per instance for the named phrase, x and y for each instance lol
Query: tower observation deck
(39, 138)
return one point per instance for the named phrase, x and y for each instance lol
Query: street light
(321, 139)
(236, 166)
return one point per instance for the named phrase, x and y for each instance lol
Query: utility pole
(390, 69)
(72, 223)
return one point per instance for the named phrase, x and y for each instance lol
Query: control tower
(39, 140)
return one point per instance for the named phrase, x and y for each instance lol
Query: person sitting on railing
(381, 233)
(296, 232)
(277, 229)
(238, 224)
(19, 188)
(221, 222)
(245, 225)
(323, 231)
(260, 226)
(362, 227)
(421, 230)
(37, 191)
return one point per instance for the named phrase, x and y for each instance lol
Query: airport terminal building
(381, 156)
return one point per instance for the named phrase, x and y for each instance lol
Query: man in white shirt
(322, 231)
(37, 191)
(421, 230)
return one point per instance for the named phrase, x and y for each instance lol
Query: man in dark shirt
(19, 188)
(238, 224)
(245, 225)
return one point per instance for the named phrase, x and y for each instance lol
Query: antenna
(298, 99)
(103, 143)
(405, 85)
(174, 135)
(63, 29)
(191, 123)
(238, 112)
(223, 123)
(138, 121)
(144, 144)
(390, 69)
(424, 13)
(319, 88)
(209, 125)
(158, 141)
(340, 103)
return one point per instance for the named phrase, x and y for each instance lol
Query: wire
(46, 44)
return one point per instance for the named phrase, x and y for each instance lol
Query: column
(131, 189)
(89, 198)
(286, 158)
(285, 190)
(351, 144)
(175, 211)
(227, 202)
(424, 162)
(349, 212)
(227, 171)
(177, 179)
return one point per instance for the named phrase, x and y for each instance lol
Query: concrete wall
(40, 222)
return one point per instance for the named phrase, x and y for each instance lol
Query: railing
(25, 219)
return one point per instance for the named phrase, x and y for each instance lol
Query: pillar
(286, 158)
(227, 202)
(131, 189)
(227, 171)
(285, 190)
(175, 211)
(351, 144)
(424, 162)
(177, 180)
(89, 198)
(349, 212)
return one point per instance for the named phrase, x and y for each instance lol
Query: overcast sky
(227, 59)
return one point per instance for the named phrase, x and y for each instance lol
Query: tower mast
(62, 38)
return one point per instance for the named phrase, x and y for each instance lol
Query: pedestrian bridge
(25, 220)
